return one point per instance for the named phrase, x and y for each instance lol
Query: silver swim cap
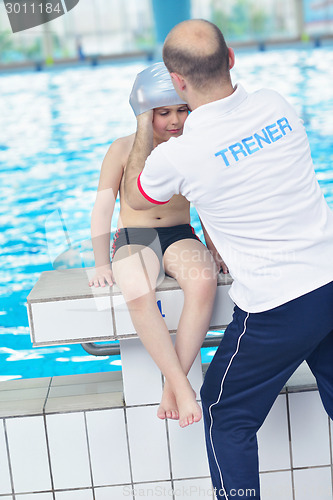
(153, 88)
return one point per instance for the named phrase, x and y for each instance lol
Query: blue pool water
(55, 129)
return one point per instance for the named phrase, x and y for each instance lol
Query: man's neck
(196, 99)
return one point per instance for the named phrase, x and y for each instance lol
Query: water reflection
(55, 130)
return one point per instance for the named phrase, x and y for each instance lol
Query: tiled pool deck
(68, 438)
(97, 437)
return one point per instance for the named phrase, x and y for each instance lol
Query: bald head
(196, 50)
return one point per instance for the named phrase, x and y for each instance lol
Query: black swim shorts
(156, 238)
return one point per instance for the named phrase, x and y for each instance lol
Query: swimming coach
(244, 162)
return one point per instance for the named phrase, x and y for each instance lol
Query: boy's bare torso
(173, 213)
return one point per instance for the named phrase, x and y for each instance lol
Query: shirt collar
(220, 107)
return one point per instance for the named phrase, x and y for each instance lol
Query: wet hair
(200, 69)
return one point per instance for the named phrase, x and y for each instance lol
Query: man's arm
(211, 247)
(142, 147)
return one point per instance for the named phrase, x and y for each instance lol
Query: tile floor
(72, 438)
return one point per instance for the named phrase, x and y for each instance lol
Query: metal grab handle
(114, 349)
(101, 350)
(213, 341)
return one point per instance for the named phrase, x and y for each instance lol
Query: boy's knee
(139, 300)
(135, 292)
(204, 287)
(209, 282)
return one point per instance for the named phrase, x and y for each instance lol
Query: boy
(150, 241)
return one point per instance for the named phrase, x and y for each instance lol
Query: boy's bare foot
(181, 406)
(189, 410)
(168, 407)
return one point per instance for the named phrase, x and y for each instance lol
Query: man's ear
(231, 57)
(178, 82)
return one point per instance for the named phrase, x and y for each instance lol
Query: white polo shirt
(245, 164)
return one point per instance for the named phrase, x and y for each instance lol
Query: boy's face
(168, 121)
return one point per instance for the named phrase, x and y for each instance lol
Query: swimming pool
(56, 127)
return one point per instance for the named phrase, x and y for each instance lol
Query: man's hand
(145, 120)
(103, 275)
(142, 147)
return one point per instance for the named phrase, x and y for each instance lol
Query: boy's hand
(221, 265)
(103, 275)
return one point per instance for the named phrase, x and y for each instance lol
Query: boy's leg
(256, 357)
(136, 269)
(191, 264)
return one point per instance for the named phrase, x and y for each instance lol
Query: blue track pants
(257, 355)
